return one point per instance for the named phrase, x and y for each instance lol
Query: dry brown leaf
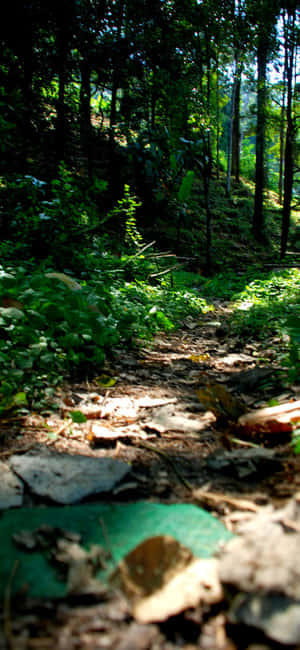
(196, 583)
(150, 564)
(154, 402)
(218, 399)
(98, 433)
(162, 578)
(274, 419)
(91, 412)
(7, 302)
(164, 419)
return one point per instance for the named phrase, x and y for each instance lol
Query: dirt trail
(158, 408)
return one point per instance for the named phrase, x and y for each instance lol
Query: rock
(277, 616)
(66, 478)
(246, 381)
(11, 488)
(244, 463)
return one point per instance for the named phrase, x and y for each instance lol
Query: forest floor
(172, 416)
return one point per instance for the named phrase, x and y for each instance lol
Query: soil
(169, 464)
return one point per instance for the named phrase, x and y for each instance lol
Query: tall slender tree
(291, 50)
(263, 14)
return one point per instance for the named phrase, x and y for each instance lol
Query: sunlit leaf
(105, 381)
(78, 417)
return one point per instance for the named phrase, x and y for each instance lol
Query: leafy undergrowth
(63, 314)
(53, 327)
(263, 305)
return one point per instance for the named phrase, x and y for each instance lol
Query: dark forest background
(145, 147)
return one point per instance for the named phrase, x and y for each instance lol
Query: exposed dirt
(167, 442)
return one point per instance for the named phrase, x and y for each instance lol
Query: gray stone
(11, 488)
(275, 615)
(66, 478)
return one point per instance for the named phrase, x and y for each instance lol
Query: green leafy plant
(53, 327)
(49, 220)
(126, 210)
(293, 331)
(186, 185)
(295, 442)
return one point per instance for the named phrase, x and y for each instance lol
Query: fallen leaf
(98, 433)
(63, 547)
(196, 584)
(218, 399)
(119, 407)
(265, 556)
(7, 302)
(162, 578)
(234, 358)
(164, 420)
(199, 358)
(105, 381)
(78, 417)
(273, 419)
(154, 402)
(89, 411)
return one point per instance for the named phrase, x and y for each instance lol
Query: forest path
(169, 409)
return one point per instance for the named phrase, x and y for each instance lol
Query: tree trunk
(258, 217)
(288, 157)
(113, 111)
(230, 138)
(282, 123)
(218, 119)
(208, 222)
(62, 49)
(85, 113)
(27, 83)
(236, 128)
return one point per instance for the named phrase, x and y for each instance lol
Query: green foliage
(51, 333)
(295, 442)
(126, 209)
(293, 331)
(248, 158)
(47, 220)
(78, 417)
(51, 328)
(186, 185)
(265, 305)
(186, 279)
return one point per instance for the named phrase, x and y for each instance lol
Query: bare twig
(163, 454)
(173, 268)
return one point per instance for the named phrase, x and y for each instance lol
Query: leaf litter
(189, 398)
